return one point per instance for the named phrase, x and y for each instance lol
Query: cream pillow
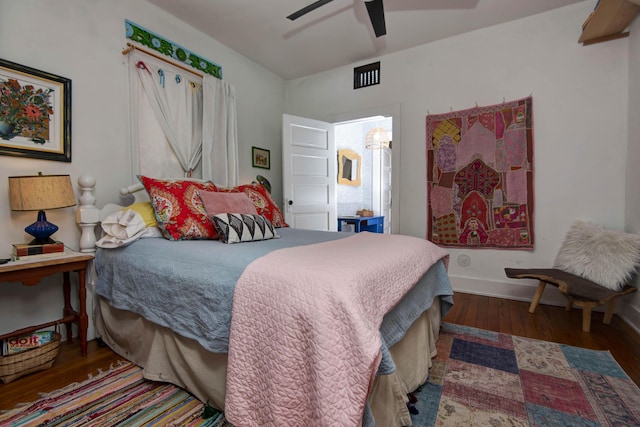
(608, 258)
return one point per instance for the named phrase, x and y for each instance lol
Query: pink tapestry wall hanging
(480, 177)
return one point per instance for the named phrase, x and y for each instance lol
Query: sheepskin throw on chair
(480, 177)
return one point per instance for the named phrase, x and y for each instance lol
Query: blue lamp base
(41, 230)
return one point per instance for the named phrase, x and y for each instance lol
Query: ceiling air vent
(366, 75)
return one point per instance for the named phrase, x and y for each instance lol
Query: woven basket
(365, 212)
(36, 359)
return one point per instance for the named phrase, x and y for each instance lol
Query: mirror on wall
(349, 163)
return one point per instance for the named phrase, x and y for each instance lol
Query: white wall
(586, 127)
(630, 309)
(82, 40)
(580, 125)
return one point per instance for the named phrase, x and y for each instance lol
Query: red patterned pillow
(179, 209)
(262, 201)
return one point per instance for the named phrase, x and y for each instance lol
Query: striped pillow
(236, 228)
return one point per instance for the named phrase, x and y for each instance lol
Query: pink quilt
(305, 344)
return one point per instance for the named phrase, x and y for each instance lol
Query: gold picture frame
(35, 113)
(349, 165)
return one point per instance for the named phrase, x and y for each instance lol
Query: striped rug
(119, 397)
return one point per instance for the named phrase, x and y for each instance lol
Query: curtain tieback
(142, 66)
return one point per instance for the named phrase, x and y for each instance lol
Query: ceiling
(339, 33)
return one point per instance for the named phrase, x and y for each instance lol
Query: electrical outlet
(464, 260)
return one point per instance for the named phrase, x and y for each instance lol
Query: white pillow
(235, 228)
(608, 258)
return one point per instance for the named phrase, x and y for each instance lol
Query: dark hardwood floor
(495, 314)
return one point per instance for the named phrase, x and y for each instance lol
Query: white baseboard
(522, 291)
(525, 290)
(630, 314)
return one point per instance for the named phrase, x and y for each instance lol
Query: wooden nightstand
(31, 272)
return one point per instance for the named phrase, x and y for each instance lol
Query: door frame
(392, 111)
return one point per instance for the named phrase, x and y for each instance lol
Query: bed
(306, 328)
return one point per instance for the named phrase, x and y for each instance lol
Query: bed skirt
(168, 357)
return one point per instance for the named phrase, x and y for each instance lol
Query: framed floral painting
(35, 113)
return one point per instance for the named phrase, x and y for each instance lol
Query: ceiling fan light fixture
(375, 8)
(313, 6)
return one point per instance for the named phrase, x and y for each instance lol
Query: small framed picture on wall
(261, 158)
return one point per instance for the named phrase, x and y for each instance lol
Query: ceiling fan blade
(307, 9)
(376, 14)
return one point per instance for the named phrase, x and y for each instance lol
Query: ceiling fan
(375, 9)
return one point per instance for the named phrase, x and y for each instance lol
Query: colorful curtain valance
(153, 41)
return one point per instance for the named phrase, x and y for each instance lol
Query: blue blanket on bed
(187, 286)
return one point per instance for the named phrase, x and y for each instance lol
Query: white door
(382, 185)
(309, 173)
(385, 188)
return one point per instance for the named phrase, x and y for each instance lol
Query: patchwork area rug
(486, 378)
(480, 177)
(478, 378)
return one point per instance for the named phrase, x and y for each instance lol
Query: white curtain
(219, 133)
(197, 117)
(177, 106)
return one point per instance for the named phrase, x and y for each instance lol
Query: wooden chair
(578, 291)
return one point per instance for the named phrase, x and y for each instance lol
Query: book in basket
(26, 342)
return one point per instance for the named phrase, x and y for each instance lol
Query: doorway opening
(375, 187)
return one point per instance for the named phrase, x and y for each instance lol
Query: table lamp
(37, 193)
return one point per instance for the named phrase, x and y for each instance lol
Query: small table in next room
(373, 224)
(31, 272)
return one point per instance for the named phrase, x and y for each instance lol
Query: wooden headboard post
(87, 214)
